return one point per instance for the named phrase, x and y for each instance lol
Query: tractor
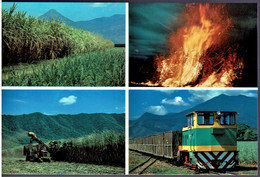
(37, 153)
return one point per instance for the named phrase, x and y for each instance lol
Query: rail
(140, 169)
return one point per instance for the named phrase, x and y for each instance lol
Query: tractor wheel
(24, 150)
(28, 158)
(40, 160)
(35, 158)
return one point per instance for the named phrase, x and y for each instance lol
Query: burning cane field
(193, 45)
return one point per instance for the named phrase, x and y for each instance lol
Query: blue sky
(73, 11)
(54, 102)
(161, 102)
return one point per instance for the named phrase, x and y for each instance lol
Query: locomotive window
(190, 121)
(227, 119)
(205, 118)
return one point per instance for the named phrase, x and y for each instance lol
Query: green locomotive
(207, 142)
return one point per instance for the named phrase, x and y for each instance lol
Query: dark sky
(149, 26)
(151, 23)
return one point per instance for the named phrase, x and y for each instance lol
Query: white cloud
(68, 100)
(208, 94)
(177, 101)
(158, 110)
(99, 4)
(19, 101)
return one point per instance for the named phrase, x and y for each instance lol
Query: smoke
(150, 24)
(244, 36)
(244, 16)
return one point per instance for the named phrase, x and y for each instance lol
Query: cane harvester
(37, 153)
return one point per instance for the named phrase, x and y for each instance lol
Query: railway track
(139, 169)
(221, 173)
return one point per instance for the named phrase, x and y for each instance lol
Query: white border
(127, 90)
(84, 88)
(193, 88)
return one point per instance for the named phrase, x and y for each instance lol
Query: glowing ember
(199, 52)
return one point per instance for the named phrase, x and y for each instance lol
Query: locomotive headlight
(218, 113)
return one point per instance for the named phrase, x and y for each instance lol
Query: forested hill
(55, 127)
(112, 28)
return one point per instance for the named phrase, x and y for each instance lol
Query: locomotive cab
(209, 140)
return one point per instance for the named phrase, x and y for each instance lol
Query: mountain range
(112, 28)
(56, 127)
(149, 124)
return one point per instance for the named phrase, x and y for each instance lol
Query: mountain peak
(52, 12)
(223, 95)
(111, 28)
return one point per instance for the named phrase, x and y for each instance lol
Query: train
(208, 142)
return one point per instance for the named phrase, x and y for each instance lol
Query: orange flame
(199, 54)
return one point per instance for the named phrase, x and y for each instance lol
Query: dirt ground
(165, 167)
(20, 166)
